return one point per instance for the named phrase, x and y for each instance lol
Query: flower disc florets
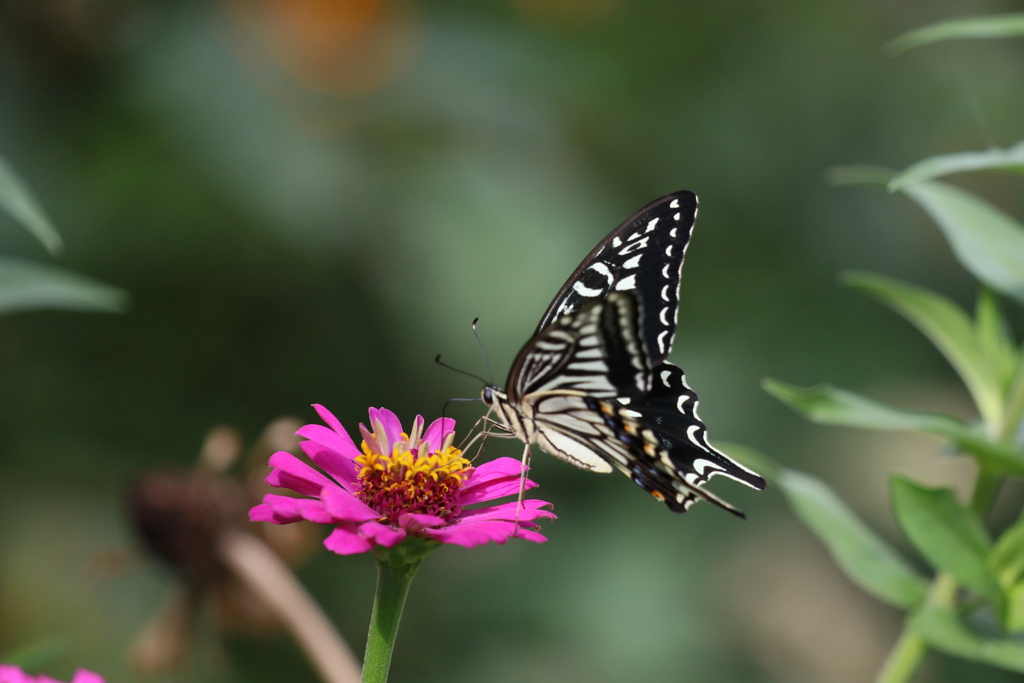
(412, 478)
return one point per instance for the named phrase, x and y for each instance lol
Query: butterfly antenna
(482, 352)
(461, 372)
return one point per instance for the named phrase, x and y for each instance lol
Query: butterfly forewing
(643, 255)
(597, 351)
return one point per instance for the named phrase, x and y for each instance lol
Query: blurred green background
(309, 199)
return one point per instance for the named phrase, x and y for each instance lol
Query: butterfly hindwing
(662, 448)
(669, 410)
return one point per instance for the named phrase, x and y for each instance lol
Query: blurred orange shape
(345, 46)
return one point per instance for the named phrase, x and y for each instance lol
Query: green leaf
(1011, 159)
(17, 200)
(991, 26)
(828, 405)
(942, 630)
(825, 404)
(949, 328)
(987, 241)
(948, 535)
(858, 174)
(863, 555)
(993, 335)
(26, 286)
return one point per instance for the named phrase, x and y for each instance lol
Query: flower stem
(392, 588)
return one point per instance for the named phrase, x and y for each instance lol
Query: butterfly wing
(643, 255)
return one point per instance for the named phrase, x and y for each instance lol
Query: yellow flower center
(422, 482)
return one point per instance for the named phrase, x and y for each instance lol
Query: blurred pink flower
(399, 484)
(12, 674)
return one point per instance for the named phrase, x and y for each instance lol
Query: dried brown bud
(180, 517)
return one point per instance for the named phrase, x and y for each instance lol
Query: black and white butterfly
(593, 388)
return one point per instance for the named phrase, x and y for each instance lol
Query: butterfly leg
(471, 438)
(484, 434)
(482, 419)
(522, 485)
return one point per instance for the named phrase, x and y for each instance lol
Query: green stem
(392, 588)
(904, 658)
(910, 648)
(985, 490)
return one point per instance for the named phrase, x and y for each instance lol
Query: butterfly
(593, 386)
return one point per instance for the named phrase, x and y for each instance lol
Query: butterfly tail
(676, 493)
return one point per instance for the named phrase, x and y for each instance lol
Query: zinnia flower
(398, 484)
(12, 674)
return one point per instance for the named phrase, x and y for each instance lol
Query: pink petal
(530, 509)
(259, 513)
(469, 535)
(291, 473)
(328, 417)
(382, 534)
(83, 676)
(495, 469)
(277, 509)
(370, 439)
(314, 511)
(414, 521)
(473, 534)
(345, 540)
(344, 507)
(12, 674)
(528, 535)
(336, 464)
(285, 510)
(392, 426)
(495, 488)
(436, 432)
(339, 443)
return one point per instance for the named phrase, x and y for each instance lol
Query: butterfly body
(593, 387)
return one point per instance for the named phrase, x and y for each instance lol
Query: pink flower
(12, 674)
(398, 484)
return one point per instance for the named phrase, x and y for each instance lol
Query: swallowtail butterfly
(593, 388)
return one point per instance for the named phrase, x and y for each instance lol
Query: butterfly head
(491, 394)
